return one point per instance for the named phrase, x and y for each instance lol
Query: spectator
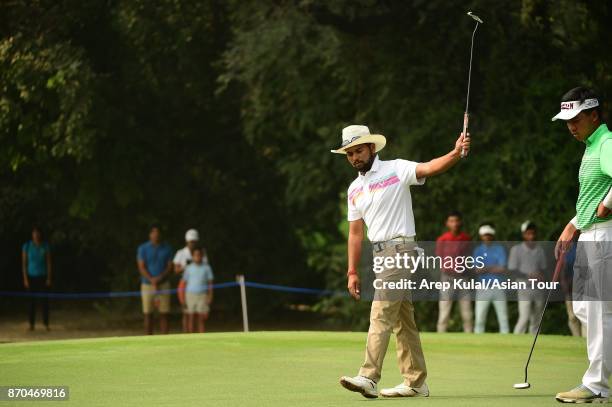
(183, 258)
(528, 261)
(494, 259)
(453, 243)
(199, 290)
(154, 260)
(37, 274)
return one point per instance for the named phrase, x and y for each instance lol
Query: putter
(558, 268)
(467, 102)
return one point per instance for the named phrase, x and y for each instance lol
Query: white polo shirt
(182, 257)
(382, 199)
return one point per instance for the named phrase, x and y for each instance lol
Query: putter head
(474, 16)
(522, 386)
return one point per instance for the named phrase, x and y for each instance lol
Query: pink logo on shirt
(385, 182)
(354, 194)
(382, 183)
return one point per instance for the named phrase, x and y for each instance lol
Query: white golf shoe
(401, 390)
(360, 384)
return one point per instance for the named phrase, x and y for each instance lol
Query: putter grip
(465, 126)
(558, 267)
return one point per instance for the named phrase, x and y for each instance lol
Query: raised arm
(445, 162)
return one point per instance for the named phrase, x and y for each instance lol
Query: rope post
(243, 300)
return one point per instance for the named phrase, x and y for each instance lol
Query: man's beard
(365, 167)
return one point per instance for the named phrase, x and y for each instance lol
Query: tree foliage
(115, 114)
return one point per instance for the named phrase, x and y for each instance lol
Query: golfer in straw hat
(379, 198)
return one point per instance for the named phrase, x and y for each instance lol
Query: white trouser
(530, 306)
(484, 298)
(595, 248)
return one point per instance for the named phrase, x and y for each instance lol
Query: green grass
(287, 369)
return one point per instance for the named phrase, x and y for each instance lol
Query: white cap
(486, 230)
(570, 109)
(192, 235)
(525, 225)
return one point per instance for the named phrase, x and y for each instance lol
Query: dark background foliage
(220, 115)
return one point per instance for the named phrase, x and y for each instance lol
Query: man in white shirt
(380, 199)
(528, 261)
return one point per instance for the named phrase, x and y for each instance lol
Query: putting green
(287, 369)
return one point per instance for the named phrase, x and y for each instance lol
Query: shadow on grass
(466, 397)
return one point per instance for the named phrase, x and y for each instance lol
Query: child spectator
(198, 277)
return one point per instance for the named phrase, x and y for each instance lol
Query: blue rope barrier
(108, 294)
(275, 287)
(127, 294)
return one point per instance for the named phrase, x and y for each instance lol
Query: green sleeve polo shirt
(595, 177)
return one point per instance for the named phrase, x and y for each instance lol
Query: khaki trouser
(465, 307)
(445, 306)
(397, 315)
(148, 295)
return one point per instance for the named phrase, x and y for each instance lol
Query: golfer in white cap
(581, 111)
(379, 198)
